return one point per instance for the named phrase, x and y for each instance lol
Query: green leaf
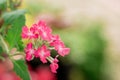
(14, 33)
(13, 36)
(21, 69)
(20, 46)
(3, 44)
(10, 17)
(3, 4)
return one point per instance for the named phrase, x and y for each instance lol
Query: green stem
(51, 48)
(17, 53)
(4, 45)
(50, 59)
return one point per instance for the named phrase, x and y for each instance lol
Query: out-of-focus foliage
(38, 7)
(87, 50)
(93, 48)
(3, 4)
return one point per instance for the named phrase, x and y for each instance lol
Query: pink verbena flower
(29, 51)
(43, 53)
(26, 33)
(43, 41)
(54, 66)
(60, 47)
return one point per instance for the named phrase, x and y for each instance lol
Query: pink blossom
(60, 47)
(43, 53)
(26, 33)
(54, 66)
(29, 51)
(42, 34)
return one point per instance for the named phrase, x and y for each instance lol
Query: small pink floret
(29, 51)
(54, 65)
(60, 47)
(26, 33)
(44, 31)
(42, 53)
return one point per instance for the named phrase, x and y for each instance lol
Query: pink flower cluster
(41, 42)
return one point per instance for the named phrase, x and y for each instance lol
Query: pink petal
(41, 23)
(55, 38)
(54, 66)
(44, 31)
(57, 44)
(63, 51)
(29, 47)
(28, 56)
(43, 53)
(29, 51)
(28, 33)
(25, 30)
(34, 28)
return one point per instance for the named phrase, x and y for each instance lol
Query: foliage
(21, 69)
(87, 50)
(11, 21)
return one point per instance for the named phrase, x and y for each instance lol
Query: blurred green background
(90, 28)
